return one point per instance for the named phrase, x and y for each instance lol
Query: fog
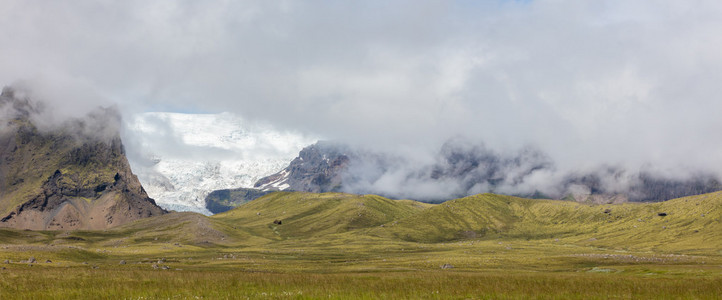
(462, 168)
(37, 102)
(628, 84)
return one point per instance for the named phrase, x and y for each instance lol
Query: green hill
(289, 219)
(284, 215)
(690, 223)
(335, 245)
(685, 224)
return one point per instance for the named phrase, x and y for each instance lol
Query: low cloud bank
(630, 86)
(462, 168)
(23, 101)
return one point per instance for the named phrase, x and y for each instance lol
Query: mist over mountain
(461, 168)
(67, 175)
(620, 85)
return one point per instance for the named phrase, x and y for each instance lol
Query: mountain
(73, 175)
(602, 186)
(461, 169)
(318, 168)
(181, 158)
(458, 170)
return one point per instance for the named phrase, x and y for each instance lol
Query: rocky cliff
(71, 175)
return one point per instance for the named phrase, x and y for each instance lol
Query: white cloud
(588, 82)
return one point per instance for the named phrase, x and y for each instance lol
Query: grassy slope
(692, 223)
(304, 215)
(334, 245)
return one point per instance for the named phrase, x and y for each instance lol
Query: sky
(588, 82)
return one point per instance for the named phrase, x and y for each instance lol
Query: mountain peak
(72, 175)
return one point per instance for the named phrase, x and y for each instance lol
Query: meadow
(340, 246)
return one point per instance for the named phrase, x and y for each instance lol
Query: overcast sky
(588, 82)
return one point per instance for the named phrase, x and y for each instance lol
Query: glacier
(180, 158)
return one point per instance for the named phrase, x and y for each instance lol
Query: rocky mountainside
(180, 158)
(73, 175)
(319, 168)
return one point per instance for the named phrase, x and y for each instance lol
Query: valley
(333, 245)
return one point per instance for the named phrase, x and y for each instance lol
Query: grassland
(342, 246)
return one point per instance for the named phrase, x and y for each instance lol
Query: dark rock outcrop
(223, 200)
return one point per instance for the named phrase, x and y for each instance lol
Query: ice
(183, 157)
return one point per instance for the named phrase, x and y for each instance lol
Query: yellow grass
(344, 246)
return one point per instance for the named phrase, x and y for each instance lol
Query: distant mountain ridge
(461, 169)
(74, 176)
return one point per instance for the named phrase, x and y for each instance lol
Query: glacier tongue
(181, 158)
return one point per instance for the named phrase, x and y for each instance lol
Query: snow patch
(278, 184)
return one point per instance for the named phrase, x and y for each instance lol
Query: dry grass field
(340, 246)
